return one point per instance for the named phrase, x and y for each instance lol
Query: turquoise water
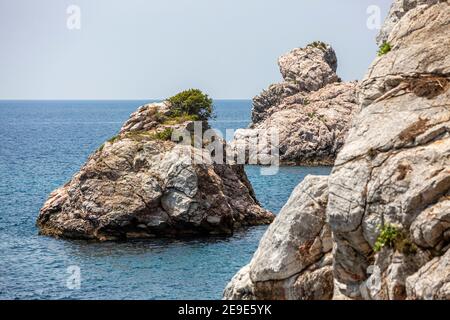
(42, 145)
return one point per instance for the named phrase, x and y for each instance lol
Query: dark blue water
(42, 145)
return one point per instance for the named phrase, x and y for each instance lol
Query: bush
(392, 237)
(384, 48)
(163, 135)
(388, 236)
(318, 44)
(192, 102)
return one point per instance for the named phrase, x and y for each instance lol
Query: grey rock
(293, 260)
(398, 9)
(311, 110)
(432, 281)
(137, 186)
(393, 168)
(312, 127)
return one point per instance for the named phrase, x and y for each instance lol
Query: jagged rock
(432, 281)
(394, 166)
(398, 9)
(311, 110)
(392, 174)
(293, 260)
(311, 127)
(139, 185)
(303, 69)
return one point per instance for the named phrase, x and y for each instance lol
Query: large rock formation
(140, 184)
(293, 260)
(393, 172)
(389, 191)
(311, 109)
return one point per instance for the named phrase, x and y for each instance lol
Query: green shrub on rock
(392, 237)
(384, 48)
(319, 45)
(192, 102)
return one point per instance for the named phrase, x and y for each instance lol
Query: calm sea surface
(43, 143)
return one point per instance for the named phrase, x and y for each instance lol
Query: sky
(148, 49)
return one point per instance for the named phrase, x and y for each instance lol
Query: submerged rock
(140, 184)
(293, 260)
(311, 110)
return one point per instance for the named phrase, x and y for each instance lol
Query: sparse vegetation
(141, 135)
(384, 48)
(392, 237)
(319, 45)
(164, 135)
(192, 102)
(113, 139)
(372, 153)
(311, 114)
(387, 237)
(180, 119)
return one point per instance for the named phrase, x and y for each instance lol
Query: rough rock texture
(303, 70)
(394, 168)
(139, 186)
(432, 281)
(393, 173)
(311, 127)
(311, 110)
(398, 9)
(293, 260)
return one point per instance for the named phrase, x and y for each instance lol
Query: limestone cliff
(293, 260)
(390, 187)
(389, 192)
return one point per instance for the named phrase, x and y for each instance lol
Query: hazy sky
(143, 49)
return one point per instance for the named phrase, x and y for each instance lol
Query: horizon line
(134, 99)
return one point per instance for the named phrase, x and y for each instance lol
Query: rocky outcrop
(394, 168)
(432, 281)
(396, 12)
(389, 191)
(293, 260)
(311, 110)
(141, 184)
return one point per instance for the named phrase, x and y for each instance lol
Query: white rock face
(394, 166)
(398, 9)
(293, 260)
(432, 281)
(389, 191)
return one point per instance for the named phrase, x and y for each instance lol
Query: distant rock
(140, 184)
(293, 260)
(311, 109)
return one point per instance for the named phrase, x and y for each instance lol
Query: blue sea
(43, 143)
